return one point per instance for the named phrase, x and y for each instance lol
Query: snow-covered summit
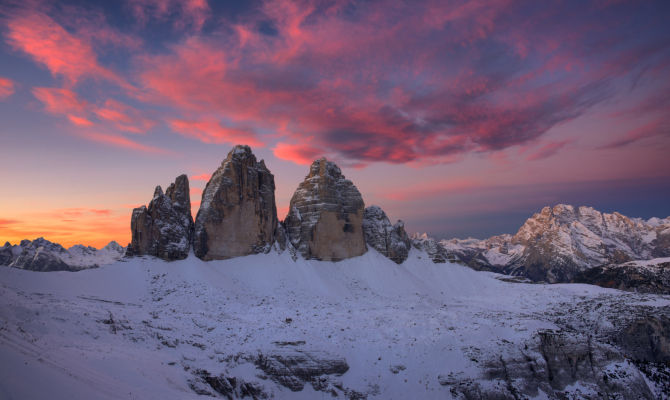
(559, 242)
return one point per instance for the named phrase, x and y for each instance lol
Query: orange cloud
(214, 132)
(6, 88)
(48, 43)
(297, 153)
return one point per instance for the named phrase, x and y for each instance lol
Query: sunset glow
(462, 118)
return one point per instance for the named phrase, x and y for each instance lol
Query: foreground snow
(140, 328)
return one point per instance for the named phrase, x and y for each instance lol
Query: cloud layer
(399, 82)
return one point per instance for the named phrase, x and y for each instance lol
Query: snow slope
(142, 328)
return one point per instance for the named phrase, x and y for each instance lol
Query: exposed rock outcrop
(390, 240)
(164, 229)
(238, 214)
(325, 220)
(294, 368)
(645, 276)
(555, 365)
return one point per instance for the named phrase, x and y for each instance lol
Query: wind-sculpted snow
(43, 255)
(266, 326)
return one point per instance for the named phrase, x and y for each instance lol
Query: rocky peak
(326, 215)
(164, 229)
(324, 169)
(238, 214)
(435, 250)
(390, 240)
(562, 241)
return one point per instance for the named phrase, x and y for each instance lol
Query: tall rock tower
(164, 229)
(238, 214)
(326, 215)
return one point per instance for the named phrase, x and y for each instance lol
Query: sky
(462, 118)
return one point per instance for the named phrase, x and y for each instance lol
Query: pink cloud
(297, 153)
(60, 101)
(124, 117)
(547, 150)
(659, 126)
(48, 43)
(66, 102)
(214, 132)
(6, 88)
(79, 121)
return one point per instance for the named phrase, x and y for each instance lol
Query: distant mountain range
(328, 221)
(43, 255)
(562, 243)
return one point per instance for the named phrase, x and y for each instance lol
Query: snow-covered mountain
(268, 326)
(43, 255)
(560, 242)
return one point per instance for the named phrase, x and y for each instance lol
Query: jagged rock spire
(165, 228)
(390, 240)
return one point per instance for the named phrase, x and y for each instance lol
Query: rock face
(560, 365)
(561, 242)
(325, 220)
(294, 368)
(390, 240)
(164, 229)
(645, 276)
(43, 255)
(238, 214)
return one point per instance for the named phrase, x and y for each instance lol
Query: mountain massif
(562, 243)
